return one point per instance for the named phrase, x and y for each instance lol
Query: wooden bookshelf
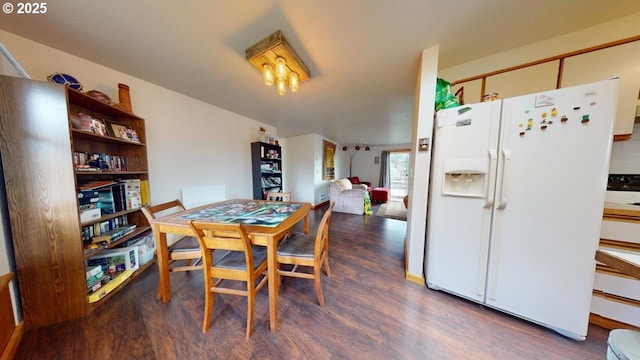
(266, 167)
(39, 140)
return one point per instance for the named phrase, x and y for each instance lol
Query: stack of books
(96, 278)
(114, 234)
(117, 265)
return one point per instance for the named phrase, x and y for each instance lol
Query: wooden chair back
(287, 254)
(182, 248)
(322, 235)
(151, 211)
(278, 196)
(223, 262)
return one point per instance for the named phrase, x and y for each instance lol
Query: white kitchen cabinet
(615, 310)
(529, 80)
(627, 287)
(472, 91)
(532, 79)
(622, 61)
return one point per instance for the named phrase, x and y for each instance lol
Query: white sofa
(348, 198)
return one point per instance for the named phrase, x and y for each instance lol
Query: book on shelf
(89, 205)
(93, 270)
(133, 193)
(88, 197)
(85, 122)
(95, 278)
(115, 261)
(94, 287)
(108, 287)
(79, 167)
(114, 196)
(98, 127)
(133, 200)
(91, 248)
(107, 202)
(268, 181)
(145, 196)
(119, 202)
(146, 247)
(114, 234)
(92, 185)
(89, 231)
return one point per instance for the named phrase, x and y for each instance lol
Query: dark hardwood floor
(371, 312)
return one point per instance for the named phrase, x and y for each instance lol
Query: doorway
(399, 174)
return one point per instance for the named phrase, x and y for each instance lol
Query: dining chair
(240, 261)
(278, 196)
(309, 251)
(184, 248)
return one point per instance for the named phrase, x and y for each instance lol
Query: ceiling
(363, 55)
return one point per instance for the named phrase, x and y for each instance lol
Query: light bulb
(294, 83)
(281, 68)
(281, 86)
(267, 74)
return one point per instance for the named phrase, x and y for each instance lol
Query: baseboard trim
(609, 324)
(418, 279)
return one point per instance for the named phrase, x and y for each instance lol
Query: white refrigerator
(516, 202)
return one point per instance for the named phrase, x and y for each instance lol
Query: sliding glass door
(399, 174)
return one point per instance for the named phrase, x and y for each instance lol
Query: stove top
(623, 182)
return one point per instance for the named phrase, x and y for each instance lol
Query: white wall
(188, 142)
(420, 162)
(302, 166)
(298, 167)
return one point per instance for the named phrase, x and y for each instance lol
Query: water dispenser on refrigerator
(465, 177)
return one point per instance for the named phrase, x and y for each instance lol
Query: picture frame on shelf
(115, 129)
(122, 131)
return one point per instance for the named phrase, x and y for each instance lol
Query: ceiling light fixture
(279, 64)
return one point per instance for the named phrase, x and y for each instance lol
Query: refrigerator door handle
(506, 156)
(493, 156)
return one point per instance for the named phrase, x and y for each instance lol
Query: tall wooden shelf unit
(266, 166)
(37, 144)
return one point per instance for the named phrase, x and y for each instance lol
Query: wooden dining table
(269, 236)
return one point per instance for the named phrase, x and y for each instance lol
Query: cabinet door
(472, 92)
(622, 61)
(524, 81)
